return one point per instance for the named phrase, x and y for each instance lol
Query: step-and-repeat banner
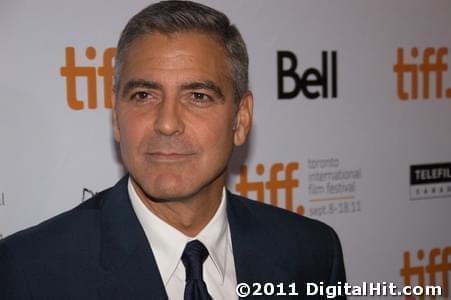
(352, 120)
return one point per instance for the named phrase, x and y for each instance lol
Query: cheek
(216, 136)
(132, 131)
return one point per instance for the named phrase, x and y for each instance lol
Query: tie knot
(193, 258)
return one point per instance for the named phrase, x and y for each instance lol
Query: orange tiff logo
(436, 268)
(409, 74)
(280, 179)
(72, 72)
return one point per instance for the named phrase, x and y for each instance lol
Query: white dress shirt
(168, 244)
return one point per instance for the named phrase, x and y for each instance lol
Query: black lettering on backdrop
(87, 194)
(313, 83)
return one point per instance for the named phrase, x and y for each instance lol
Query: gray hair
(174, 16)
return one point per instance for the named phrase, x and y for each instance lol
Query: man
(170, 229)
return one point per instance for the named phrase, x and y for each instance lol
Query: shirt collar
(168, 243)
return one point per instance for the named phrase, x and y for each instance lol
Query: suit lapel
(125, 255)
(247, 241)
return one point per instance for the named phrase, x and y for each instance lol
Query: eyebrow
(140, 83)
(195, 85)
(207, 85)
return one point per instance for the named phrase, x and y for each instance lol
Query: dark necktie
(193, 258)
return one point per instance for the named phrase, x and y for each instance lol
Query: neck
(189, 215)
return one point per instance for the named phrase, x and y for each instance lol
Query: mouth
(169, 156)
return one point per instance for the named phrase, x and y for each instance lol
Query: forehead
(177, 55)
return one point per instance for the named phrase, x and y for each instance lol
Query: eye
(140, 96)
(200, 98)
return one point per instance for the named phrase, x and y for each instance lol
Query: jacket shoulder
(281, 219)
(58, 231)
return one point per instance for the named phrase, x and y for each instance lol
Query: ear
(243, 119)
(115, 122)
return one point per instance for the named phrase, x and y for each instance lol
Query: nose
(169, 120)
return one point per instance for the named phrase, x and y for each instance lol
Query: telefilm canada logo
(430, 181)
(312, 83)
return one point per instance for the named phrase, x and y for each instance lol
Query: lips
(169, 156)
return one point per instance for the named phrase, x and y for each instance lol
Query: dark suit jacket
(99, 251)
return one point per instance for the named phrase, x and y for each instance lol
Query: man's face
(174, 115)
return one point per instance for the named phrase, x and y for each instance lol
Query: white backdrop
(345, 159)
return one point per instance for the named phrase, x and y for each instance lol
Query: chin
(167, 195)
(168, 190)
